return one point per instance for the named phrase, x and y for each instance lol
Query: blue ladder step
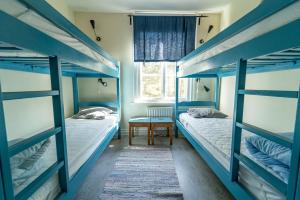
(30, 94)
(39, 181)
(260, 171)
(26, 143)
(271, 93)
(266, 134)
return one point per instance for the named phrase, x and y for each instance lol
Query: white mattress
(273, 22)
(30, 17)
(83, 137)
(215, 135)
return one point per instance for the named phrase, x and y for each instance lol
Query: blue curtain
(163, 38)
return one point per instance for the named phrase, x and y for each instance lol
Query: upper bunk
(32, 31)
(267, 37)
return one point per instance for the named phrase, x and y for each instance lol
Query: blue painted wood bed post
(238, 117)
(294, 176)
(298, 187)
(176, 101)
(59, 121)
(217, 93)
(119, 104)
(75, 93)
(4, 159)
(1, 187)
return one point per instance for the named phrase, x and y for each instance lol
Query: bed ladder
(290, 189)
(6, 152)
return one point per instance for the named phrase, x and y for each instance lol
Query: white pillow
(86, 111)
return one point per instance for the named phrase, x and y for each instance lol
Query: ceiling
(130, 6)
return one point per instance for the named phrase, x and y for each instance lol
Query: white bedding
(15, 8)
(83, 137)
(273, 22)
(215, 135)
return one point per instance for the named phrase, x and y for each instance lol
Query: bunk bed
(266, 39)
(35, 38)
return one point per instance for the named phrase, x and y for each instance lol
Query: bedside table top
(140, 120)
(161, 120)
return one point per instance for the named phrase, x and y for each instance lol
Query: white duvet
(215, 135)
(83, 137)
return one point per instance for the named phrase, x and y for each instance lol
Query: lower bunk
(211, 137)
(86, 140)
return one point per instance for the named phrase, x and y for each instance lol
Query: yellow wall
(235, 10)
(275, 114)
(117, 39)
(213, 19)
(27, 117)
(62, 7)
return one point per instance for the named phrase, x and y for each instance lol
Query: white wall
(117, 39)
(275, 114)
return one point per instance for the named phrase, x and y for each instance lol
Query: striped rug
(143, 173)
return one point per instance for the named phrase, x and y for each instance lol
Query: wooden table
(158, 122)
(138, 122)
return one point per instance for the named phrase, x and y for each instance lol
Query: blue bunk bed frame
(240, 61)
(61, 60)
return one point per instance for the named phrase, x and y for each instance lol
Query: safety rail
(289, 189)
(6, 152)
(50, 13)
(36, 39)
(206, 59)
(197, 103)
(113, 104)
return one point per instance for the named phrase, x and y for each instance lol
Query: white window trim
(137, 89)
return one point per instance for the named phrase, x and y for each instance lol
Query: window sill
(145, 101)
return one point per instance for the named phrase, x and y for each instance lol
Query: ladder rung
(196, 103)
(26, 143)
(30, 94)
(272, 93)
(39, 181)
(266, 134)
(260, 171)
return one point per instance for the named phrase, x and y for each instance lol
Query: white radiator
(160, 112)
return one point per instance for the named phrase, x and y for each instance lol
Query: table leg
(152, 134)
(132, 131)
(168, 135)
(171, 135)
(129, 135)
(149, 135)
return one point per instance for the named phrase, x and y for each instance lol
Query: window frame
(164, 97)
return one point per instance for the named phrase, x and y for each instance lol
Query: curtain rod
(161, 14)
(167, 14)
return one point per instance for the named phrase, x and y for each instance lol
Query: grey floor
(196, 179)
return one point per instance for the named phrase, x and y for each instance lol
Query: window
(156, 82)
